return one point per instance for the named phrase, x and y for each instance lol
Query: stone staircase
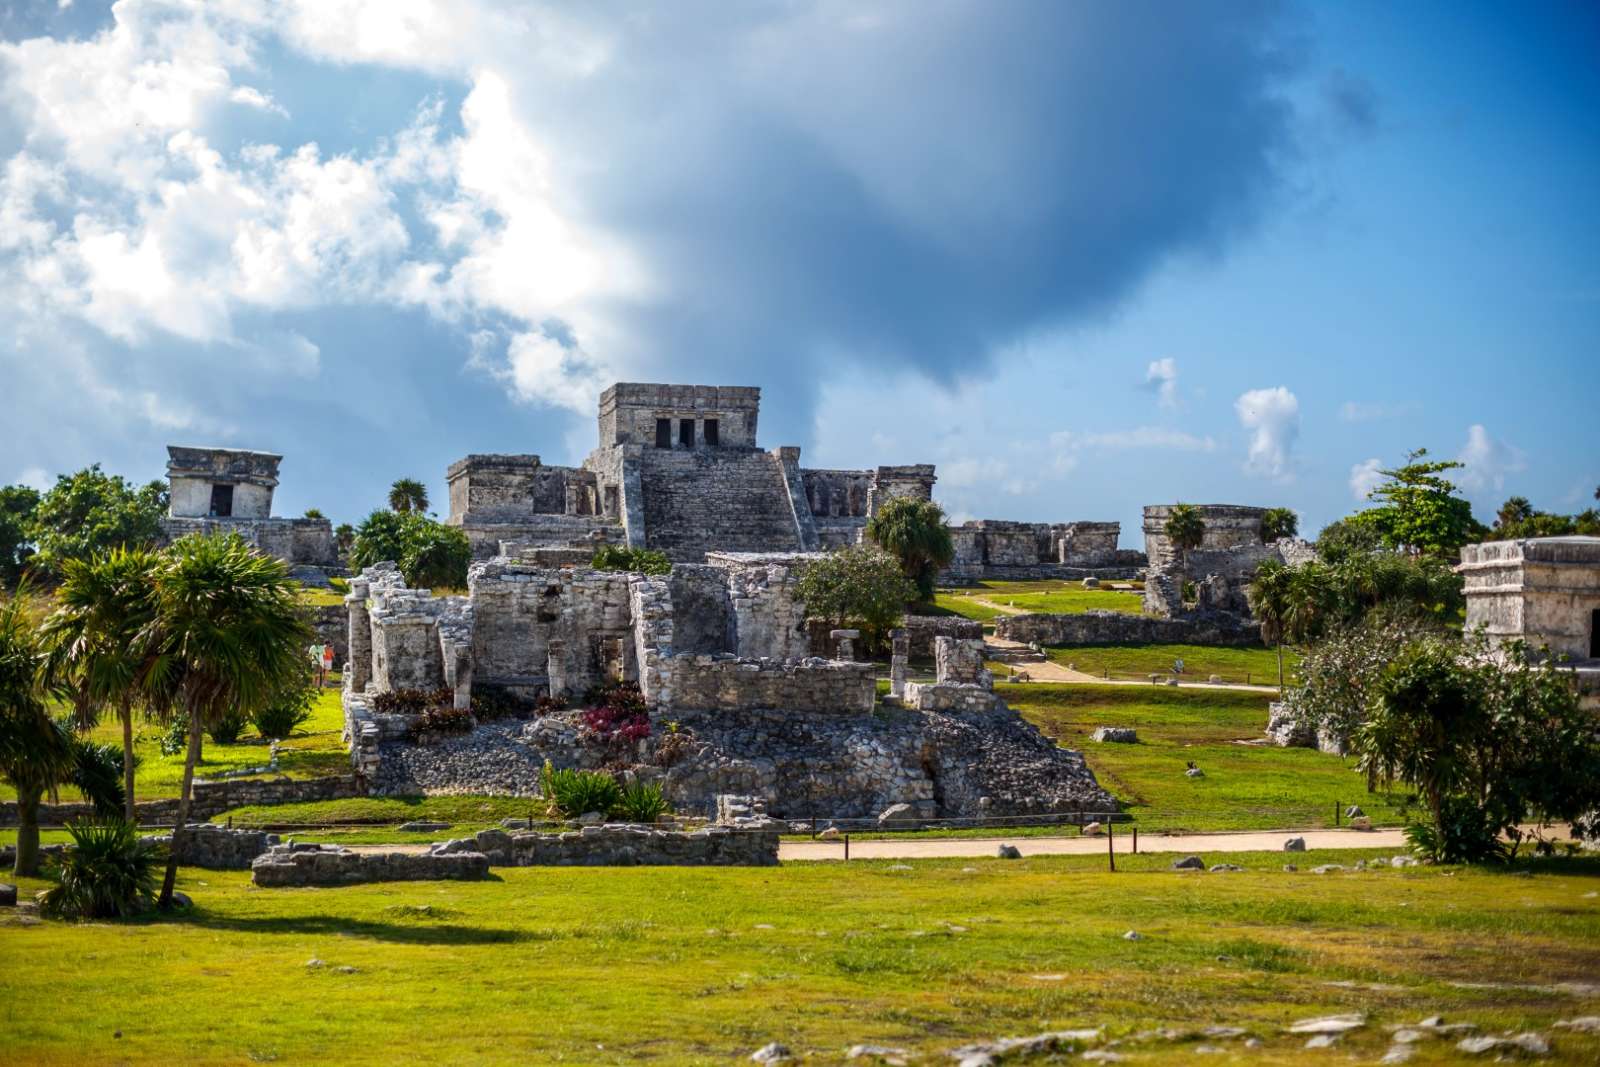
(723, 499)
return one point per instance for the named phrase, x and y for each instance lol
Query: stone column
(900, 654)
(846, 639)
(557, 668)
(358, 659)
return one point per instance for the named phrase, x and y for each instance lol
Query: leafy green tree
(1278, 523)
(1344, 538)
(861, 586)
(1489, 741)
(95, 640)
(429, 553)
(1419, 511)
(91, 512)
(1269, 594)
(916, 533)
(1517, 518)
(344, 539)
(1185, 529)
(227, 638)
(637, 560)
(17, 506)
(407, 495)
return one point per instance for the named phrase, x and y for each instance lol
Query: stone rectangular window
(1594, 634)
(686, 433)
(711, 432)
(222, 501)
(663, 433)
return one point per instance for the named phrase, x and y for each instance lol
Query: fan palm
(1269, 594)
(96, 653)
(35, 753)
(408, 494)
(916, 533)
(226, 636)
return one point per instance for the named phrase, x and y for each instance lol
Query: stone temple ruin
(1544, 591)
(678, 469)
(737, 703)
(230, 489)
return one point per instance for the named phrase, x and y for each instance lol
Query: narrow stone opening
(686, 433)
(663, 433)
(1594, 634)
(711, 432)
(222, 501)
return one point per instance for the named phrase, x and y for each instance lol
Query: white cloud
(1273, 417)
(540, 369)
(1488, 460)
(1365, 477)
(36, 478)
(1162, 377)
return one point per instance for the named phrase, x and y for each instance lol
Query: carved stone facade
(230, 490)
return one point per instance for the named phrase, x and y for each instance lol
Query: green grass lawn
(1246, 787)
(1258, 664)
(312, 751)
(1045, 596)
(685, 965)
(319, 597)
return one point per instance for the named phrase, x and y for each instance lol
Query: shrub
(861, 586)
(175, 738)
(412, 701)
(290, 707)
(571, 793)
(642, 802)
(226, 730)
(441, 720)
(109, 872)
(97, 774)
(618, 713)
(637, 560)
(916, 533)
(427, 552)
(492, 702)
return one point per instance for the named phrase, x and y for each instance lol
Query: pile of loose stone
(622, 846)
(941, 763)
(329, 865)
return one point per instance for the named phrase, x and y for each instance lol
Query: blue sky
(1083, 256)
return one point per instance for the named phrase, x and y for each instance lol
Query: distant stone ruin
(230, 490)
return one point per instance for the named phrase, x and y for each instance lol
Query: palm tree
(916, 533)
(1186, 530)
(226, 636)
(94, 640)
(1278, 523)
(1269, 594)
(35, 753)
(408, 494)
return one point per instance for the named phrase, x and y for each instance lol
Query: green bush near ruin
(924, 956)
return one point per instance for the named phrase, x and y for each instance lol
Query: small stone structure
(217, 848)
(1226, 526)
(299, 865)
(962, 683)
(992, 548)
(1544, 591)
(622, 846)
(922, 630)
(230, 490)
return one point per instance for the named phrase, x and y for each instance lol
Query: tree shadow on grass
(420, 933)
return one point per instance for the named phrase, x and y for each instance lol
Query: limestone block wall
(1001, 549)
(923, 629)
(769, 618)
(622, 846)
(1115, 627)
(405, 639)
(721, 499)
(526, 618)
(326, 865)
(1545, 591)
(888, 483)
(812, 685)
(1226, 526)
(629, 412)
(837, 493)
(308, 541)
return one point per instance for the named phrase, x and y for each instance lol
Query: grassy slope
(313, 750)
(1246, 787)
(1055, 597)
(1257, 663)
(705, 965)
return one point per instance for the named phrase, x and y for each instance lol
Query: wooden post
(1336, 813)
(1135, 840)
(847, 848)
(1111, 850)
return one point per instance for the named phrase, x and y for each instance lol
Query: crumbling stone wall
(769, 618)
(1545, 591)
(1116, 628)
(1226, 526)
(300, 865)
(538, 629)
(828, 687)
(622, 846)
(217, 848)
(210, 799)
(922, 630)
(405, 639)
(991, 548)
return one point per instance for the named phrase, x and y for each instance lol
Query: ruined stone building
(230, 489)
(678, 469)
(1226, 526)
(1541, 590)
(720, 651)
